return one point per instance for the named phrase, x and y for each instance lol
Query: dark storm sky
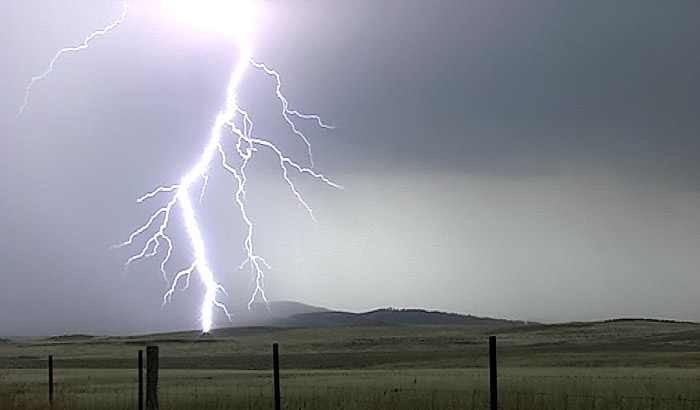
(531, 160)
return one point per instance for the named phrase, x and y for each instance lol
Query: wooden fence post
(50, 379)
(140, 392)
(276, 370)
(493, 372)
(152, 377)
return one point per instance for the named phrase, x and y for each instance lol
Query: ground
(613, 365)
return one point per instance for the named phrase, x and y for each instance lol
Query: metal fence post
(276, 370)
(140, 392)
(152, 377)
(493, 372)
(50, 379)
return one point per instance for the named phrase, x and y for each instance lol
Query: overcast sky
(531, 160)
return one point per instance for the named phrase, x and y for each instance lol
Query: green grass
(617, 365)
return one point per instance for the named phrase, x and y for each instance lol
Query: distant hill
(647, 320)
(276, 316)
(271, 314)
(288, 314)
(387, 316)
(72, 337)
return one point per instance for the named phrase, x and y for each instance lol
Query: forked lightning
(236, 18)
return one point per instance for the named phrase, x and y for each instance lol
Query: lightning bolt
(231, 121)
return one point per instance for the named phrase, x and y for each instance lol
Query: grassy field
(614, 365)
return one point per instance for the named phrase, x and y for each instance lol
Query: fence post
(152, 377)
(50, 379)
(276, 370)
(140, 392)
(493, 372)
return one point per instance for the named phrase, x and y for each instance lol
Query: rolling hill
(297, 314)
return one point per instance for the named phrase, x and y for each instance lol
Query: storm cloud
(531, 160)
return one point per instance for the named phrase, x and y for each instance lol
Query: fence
(182, 389)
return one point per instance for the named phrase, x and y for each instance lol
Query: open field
(614, 365)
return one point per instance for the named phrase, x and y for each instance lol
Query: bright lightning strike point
(235, 18)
